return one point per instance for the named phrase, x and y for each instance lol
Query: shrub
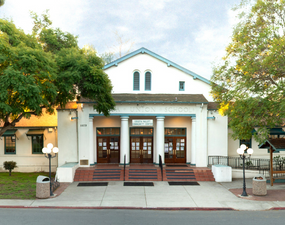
(9, 165)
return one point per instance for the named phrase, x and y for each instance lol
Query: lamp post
(47, 151)
(241, 151)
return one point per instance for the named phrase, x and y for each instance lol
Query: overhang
(10, 132)
(32, 132)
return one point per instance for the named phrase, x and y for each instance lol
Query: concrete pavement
(206, 196)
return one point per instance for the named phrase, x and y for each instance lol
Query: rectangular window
(246, 142)
(37, 144)
(10, 145)
(181, 85)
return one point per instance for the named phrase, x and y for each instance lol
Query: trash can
(259, 185)
(43, 187)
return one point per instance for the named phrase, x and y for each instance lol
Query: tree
(2, 2)
(46, 69)
(249, 84)
(9, 165)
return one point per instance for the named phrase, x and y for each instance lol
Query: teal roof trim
(168, 62)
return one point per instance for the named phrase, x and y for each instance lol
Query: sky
(191, 33)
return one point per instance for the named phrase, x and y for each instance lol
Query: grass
(19, 185)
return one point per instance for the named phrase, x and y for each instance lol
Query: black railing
(236, 162)
(262, 165)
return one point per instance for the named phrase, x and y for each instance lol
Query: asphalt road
(133, 217)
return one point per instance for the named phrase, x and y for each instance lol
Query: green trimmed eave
(168, 62)
(10, 132)
(32, 132)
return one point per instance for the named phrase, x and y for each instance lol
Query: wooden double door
(175, 149)
(141, 149)
(108, 149)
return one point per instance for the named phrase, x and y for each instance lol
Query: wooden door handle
(141, 151)
(108, 151)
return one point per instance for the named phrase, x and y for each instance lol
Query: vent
(84, 162)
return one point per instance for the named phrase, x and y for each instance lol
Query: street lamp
(47, 151)
(241, 152)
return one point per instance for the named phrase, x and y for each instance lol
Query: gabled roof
(155, 98)
(277, 144)
(168, 62)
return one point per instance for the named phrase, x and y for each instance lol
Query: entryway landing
(143, 172)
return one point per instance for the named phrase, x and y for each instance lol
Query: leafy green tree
(2, 2)
(249, 83)
(46, 69)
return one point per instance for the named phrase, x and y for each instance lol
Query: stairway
(204, 175)
(180, 175)
(107, 174)
(142, 174)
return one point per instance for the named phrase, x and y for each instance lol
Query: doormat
(92, 184)
(177, 165)
(183, 183)
(138, 184)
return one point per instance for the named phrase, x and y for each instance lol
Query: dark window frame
(39, 150)
(183, 88)
(5, 145)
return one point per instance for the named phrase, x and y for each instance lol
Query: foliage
(45, 69)
(19, 186)
(2, 2)
(9, 165)
(279, 161)
(250, 80)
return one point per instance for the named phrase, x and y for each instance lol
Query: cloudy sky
(191, 33)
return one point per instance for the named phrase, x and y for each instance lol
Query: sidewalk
(206, 196)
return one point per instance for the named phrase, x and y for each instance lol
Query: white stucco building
(161, 109)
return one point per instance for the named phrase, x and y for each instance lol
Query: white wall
(164, 79)
(26, 161)
(217, 134)
(257, 152)
(67, 137)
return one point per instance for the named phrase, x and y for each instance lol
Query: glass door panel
(114, 150)
(175, 150)
(141, 149)
(108, 149)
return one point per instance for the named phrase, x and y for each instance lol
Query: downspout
(77, 135)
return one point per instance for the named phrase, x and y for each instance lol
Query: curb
(128, 208)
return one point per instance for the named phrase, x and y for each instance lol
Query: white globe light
(50, 146)
(55, 150)
(240, 151)
(250, 151)
(44, 150)
(243, 147)
(48, 150)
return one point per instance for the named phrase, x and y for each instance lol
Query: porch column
(159, 139)
(125, 143)
(193, 142)
(91, 143)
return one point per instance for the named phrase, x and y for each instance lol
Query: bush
(9, 165)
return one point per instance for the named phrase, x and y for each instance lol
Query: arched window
(148, 81)
(136, 86)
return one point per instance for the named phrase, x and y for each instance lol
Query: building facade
(24, 143)
(162, 109)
